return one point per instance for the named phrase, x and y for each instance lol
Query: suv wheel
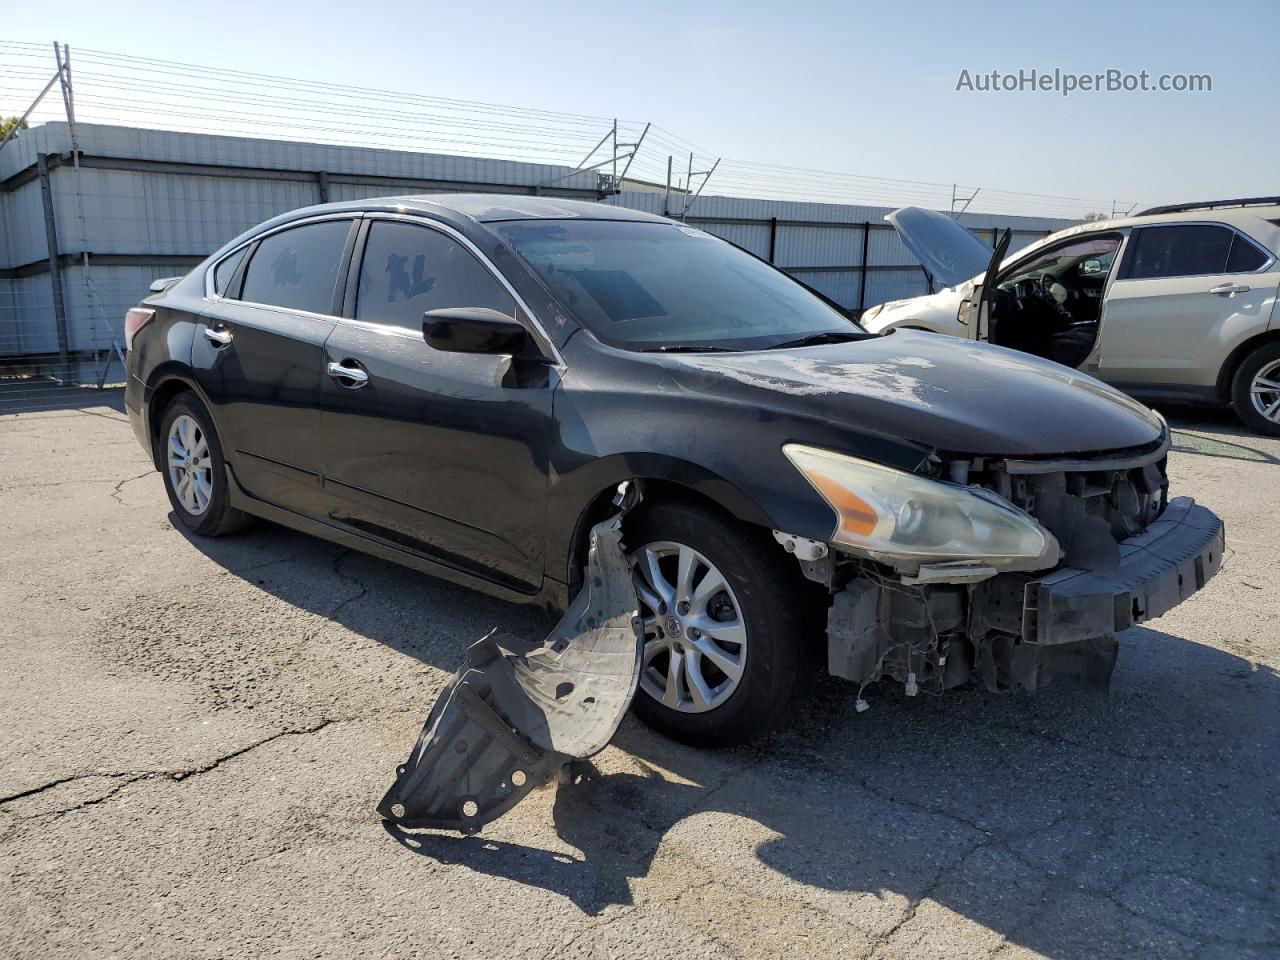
(725, 612)
(1255, 390)
(195, 475)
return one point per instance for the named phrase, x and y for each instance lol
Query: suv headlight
(889, 512)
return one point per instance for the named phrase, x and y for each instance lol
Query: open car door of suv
(975, 310)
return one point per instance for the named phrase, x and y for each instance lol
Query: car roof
(1260, 223)
(1248, 219)
(491, 208)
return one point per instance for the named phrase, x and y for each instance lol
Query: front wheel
(727, 618)
(1255, 390)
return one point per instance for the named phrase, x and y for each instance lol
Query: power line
(181, 96)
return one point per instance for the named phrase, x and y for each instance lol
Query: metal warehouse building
(83, 236)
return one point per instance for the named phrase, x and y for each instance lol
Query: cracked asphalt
(193, 736)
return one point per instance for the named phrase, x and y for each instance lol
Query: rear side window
(297, 268)
(225, 272)
(408, 270)
(1189, 251)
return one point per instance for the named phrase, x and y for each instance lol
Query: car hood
(939, 392)
(947, 250)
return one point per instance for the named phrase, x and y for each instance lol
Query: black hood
(940, 392)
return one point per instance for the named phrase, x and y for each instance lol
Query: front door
(259, 358)
(975, 310)
(444, 454)
(1185, 293)
(1049, 303)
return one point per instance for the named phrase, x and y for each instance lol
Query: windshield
(646, 286)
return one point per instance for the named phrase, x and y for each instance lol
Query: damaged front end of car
(1026, 583)
(519, 712)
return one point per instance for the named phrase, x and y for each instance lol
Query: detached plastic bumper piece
(518, 711)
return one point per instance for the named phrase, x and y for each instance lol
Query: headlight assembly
(898, 515)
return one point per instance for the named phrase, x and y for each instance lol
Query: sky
(863, 88)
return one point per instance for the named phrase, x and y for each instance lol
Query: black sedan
(460, 383)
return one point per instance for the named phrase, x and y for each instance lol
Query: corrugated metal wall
(822, 243)
(146, 204)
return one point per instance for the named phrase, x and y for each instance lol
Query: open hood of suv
(948, 251)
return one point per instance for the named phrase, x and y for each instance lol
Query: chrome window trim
(1266, 266)
(545, 343)
(211, 295)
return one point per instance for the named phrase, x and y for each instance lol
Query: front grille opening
(1090, 512)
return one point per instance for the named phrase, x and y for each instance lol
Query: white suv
(1176, 303)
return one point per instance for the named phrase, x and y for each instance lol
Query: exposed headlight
(896, 514)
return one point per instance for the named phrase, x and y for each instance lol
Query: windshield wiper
(688, 348)
(814, 339)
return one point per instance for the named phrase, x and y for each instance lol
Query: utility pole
(666, 197)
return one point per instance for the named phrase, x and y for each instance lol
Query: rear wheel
(1255, 390)
(195, 474)
(725, 615)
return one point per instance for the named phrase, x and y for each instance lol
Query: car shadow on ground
(1072, 825)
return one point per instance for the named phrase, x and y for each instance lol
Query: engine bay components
(1019, 631)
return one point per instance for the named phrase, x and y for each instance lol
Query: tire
(1263, 361)
(767, 596)
(206, 514)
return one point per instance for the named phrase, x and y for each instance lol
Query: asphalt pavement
(193, 735)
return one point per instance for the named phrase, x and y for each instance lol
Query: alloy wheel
(190, 465)
(1265, 391)
(695, 639)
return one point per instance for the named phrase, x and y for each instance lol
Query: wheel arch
(1237, 356)
(167, 383)
(662, 478)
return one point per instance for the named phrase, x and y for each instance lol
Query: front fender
(935, 313)
(574, 497)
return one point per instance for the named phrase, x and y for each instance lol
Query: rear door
(1185, 295)
(441, 453)
(259, 357)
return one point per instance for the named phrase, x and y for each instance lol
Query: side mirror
(1090, 267)
(474, 330)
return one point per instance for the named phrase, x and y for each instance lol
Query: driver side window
(407, 270)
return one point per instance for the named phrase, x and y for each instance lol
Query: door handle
(218, 336)
(355, 376)
(1229, 289)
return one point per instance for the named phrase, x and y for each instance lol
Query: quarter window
(408, 270)
(298, 268)
(1244, 256)
(1191, 250)
(225, 272)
